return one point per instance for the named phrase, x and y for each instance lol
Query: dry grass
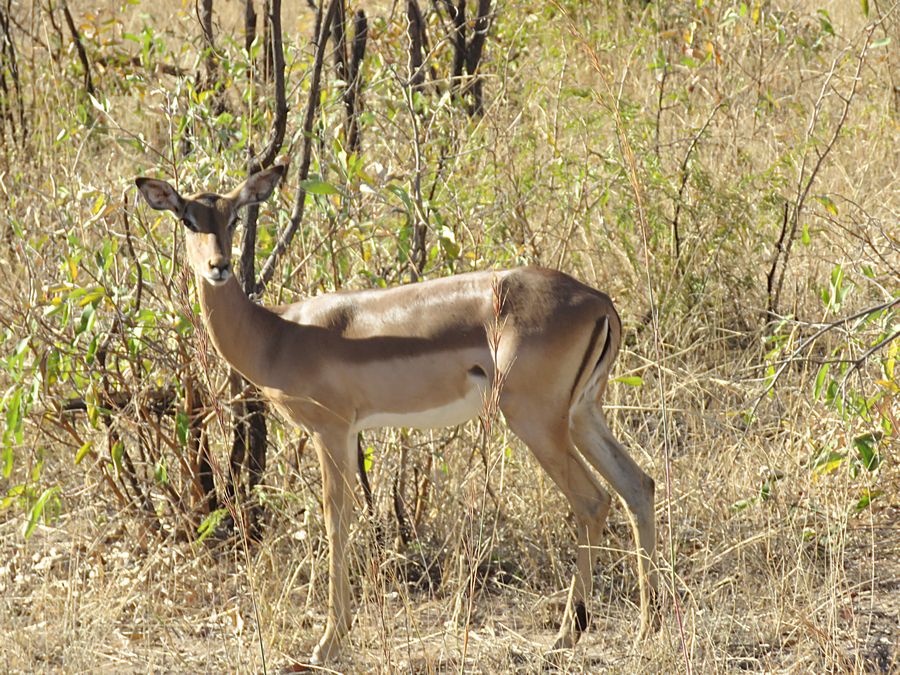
(775, 570)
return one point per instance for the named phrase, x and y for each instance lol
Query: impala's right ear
(160, 195)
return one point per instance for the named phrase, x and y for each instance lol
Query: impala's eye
(189, 225)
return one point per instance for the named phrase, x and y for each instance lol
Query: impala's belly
(451, 413)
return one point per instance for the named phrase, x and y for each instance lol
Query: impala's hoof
(563, 642)
(316, 658)
(649, 626)
(651, 619)
(573, 626)
(326, 651)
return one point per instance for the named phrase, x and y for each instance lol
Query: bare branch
(9, 57)
(351, 96)
(79, 47)
(284, 240)
(804, 188)
(458, 37)
(821, 331)
(415, 31)
(265, 159)
(676, 234)
(473, 54)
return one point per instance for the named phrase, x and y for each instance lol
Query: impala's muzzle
(218, 273)
(208, 253)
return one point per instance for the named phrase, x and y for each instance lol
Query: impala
(425, 355)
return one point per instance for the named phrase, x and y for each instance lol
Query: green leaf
(828, 203)
(315, 186)
(37, 510)
(404, 197)
(161, 473)
(805, 236)
(878, 44)
(116, 452)
(87, 320)
(825, 22)
(865, 450)
(101, 106)
(865, 7)
(368, 458)
(448, 243)
(14, 494)
(631, 380)
(182, 427)
(866, 499)
(828, 462)
(832, 394)
(93, 413)
(742, 504)
(211, 523)
(82, 451)
(14, 411)
(820, 380)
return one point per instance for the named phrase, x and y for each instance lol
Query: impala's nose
(218, 271)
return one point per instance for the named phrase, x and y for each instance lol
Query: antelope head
(210, 219)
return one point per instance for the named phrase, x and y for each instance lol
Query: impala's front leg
(336, 461)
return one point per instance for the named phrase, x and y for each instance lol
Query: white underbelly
(448, 415)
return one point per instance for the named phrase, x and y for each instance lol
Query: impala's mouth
(217, 277)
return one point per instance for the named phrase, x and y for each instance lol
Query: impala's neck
(242, 332)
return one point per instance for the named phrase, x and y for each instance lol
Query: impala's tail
(596, 365)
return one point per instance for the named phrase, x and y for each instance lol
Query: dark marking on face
(208, 198)
(477, 371)
(581, 617)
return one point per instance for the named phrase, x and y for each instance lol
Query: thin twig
(812, 338)
(312, 105)
(267, 156)
(79, 47)
(803, 190)
(126, 212)
(676, 235)
(858, 363)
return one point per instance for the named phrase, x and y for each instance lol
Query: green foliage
(210, 524)
(47, 502)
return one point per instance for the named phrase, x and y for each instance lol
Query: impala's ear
(160, 195)
(257, 188)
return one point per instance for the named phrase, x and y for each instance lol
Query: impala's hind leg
(596, 442)
(553, 449)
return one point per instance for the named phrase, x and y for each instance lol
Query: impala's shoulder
(330, 310)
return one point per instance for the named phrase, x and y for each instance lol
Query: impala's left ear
(257, 188)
